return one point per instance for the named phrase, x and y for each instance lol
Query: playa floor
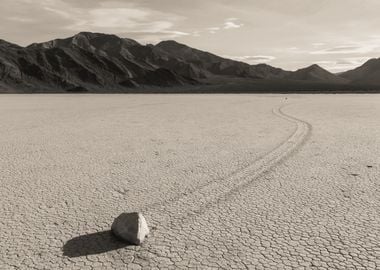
(224, 181)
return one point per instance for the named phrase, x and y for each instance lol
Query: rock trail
(192, 202)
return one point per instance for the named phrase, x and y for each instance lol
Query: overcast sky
(336, 34)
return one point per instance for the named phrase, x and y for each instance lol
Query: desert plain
(255, 181)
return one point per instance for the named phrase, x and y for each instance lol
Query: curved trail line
(199, 200)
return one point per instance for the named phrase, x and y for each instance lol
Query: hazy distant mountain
(368, 73)
(211, 64)
(106, 63)
(315, 73)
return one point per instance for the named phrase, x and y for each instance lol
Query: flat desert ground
(224, 181)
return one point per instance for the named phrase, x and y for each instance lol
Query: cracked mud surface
(224, 181)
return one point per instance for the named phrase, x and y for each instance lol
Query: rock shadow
(94, 243)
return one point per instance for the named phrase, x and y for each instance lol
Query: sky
(336, 34)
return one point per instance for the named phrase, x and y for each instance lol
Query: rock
(130, 227)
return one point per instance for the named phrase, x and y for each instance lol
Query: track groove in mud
(175, 220)
(199, 200)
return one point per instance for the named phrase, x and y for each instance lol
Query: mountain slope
(368, 73)
(315, 73)
(216, 65)
(85, 61)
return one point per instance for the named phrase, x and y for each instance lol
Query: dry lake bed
(224, 181)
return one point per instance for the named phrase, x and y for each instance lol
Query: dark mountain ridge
(98, 62)
(86, 61)
(368, 73)
(216, 65)
(315, 73)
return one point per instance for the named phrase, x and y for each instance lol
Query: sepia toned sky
(336, 34)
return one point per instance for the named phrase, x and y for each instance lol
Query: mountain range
(94, 62)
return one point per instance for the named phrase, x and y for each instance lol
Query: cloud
(349, 49)
(20, 19)
(148, 24)
(67, 17)
(232, 23)
(154, 37)
(213, 30)
(252, 59)
(118, 18)
(229, 23)
(343, 49)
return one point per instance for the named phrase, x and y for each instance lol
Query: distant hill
(315, 73)
(368, 73)
(95, 62)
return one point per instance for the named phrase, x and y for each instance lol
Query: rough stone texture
(130, 227)
(226, 181)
